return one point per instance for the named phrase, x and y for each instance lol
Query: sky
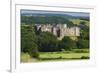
(58, 12)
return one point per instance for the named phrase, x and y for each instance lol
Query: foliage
(84, 33)
(45, 20)
(83, 43)
(67, 43)
(84, 57)
(82, 22)
(47, 42)
(28, 44)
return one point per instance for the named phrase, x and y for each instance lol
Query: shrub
(34, 52)
(60, 57)
(84, 57)
(83, 43)
(35, 55)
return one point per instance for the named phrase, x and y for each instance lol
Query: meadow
(75, 54)
(78, 21)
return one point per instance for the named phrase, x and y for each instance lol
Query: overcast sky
(51, 12)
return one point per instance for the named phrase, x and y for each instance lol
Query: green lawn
(60, 55)
(52, 56)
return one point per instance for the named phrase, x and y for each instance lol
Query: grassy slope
(77, 21)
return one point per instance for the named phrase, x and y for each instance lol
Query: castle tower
(77, 31)
(65, 25)
(54, 30)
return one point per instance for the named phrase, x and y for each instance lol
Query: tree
(82, 22)
(47, 42)
(81, 43)
(28, 44)
(45, 20)
(67, 43)
(83, 40)
(84, 31)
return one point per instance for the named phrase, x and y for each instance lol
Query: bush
(34, 51)
(84, 57)
(35, 54)
(60, 57)
(83, 43)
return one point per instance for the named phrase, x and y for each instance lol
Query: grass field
(56, 56)
(77, 21)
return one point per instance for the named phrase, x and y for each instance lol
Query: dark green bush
(84, 57)
(81, 43)
(67, 43)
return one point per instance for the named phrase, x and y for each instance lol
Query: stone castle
(59, 30)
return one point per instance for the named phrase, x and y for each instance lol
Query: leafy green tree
(28, 44)
(81, 43)
(47, 42)
(67, 43)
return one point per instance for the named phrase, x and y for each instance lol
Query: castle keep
(59, 30)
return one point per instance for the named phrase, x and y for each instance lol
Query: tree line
(45, 20)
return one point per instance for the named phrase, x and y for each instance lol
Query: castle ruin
(59, 30)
